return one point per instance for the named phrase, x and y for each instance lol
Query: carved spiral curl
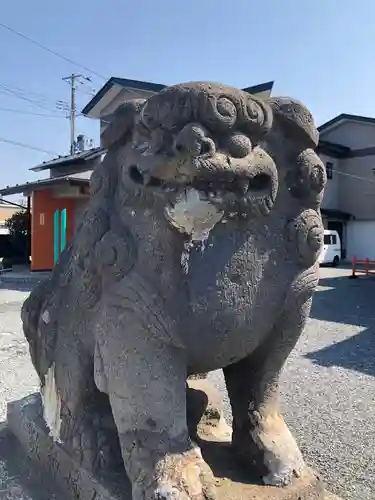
(218, 113)
(94, 227)
(305, 235)
(217, 107)
(306, 180)
(236, 110)
(103, 178)
(97, 181)
(116, 255)
(256, 114)
(89, 284)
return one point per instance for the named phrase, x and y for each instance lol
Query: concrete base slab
(54, 465)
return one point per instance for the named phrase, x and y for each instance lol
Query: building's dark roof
(333, 149)
(343, 117)
(152, 87)
(122, 82)
(257, 89)
(62, 161)
(43, 183)
(336, 214)
(340, 151)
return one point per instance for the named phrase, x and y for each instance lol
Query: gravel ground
(17, 376)
(17, 379)
(328, 384)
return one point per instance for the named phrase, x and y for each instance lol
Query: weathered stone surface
(55, 467)
(197, 251)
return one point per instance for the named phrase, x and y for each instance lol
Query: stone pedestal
(54, 465)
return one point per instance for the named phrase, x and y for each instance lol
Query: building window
(329, 169)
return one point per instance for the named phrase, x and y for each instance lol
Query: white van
(331, 251)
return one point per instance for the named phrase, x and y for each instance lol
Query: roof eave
(28, 187)
(97, 97)
(122, 83)
(333, 149)
(259, 89)
(337, 121)
(339, 214)
(40, 168)
(68, 160)
(88, 110)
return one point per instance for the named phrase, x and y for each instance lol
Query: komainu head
(213, 146)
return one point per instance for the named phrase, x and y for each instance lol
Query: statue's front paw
(178, 477)
(270, 449)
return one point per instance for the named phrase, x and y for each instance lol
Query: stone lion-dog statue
(197, 251)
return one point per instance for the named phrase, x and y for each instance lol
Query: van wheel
(336, 261)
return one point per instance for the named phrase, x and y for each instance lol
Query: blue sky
(319, 51)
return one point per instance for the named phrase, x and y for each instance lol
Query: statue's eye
(238, 145)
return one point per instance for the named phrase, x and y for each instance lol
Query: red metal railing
(367, 263)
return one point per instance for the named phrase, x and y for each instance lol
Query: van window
(327, 239)
(334, 239)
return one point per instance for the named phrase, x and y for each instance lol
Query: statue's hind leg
(260, 434)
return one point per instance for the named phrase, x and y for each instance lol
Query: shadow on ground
(17, 286)
(350, 302)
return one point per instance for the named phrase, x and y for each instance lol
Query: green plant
(18, 226)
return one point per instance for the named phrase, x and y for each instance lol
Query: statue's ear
(295, 120)
(121, 122)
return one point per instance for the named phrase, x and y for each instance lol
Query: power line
(18, 95)
(54, 52)
(87, 92)
(15, 93)
(36, 98)
(353, 176)
(29, 92)
(27, 146)
(22, 112)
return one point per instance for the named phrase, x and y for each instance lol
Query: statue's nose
(194, 140)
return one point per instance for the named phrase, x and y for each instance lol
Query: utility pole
(72, 79)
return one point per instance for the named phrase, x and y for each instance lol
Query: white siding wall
(351, 134)
(360, 239)
(82, 175)
(75, 171)
(357, 187)
(120, 98)
(331, 192)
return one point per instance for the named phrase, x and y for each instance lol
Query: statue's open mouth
(238, 194)
(258, 185)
